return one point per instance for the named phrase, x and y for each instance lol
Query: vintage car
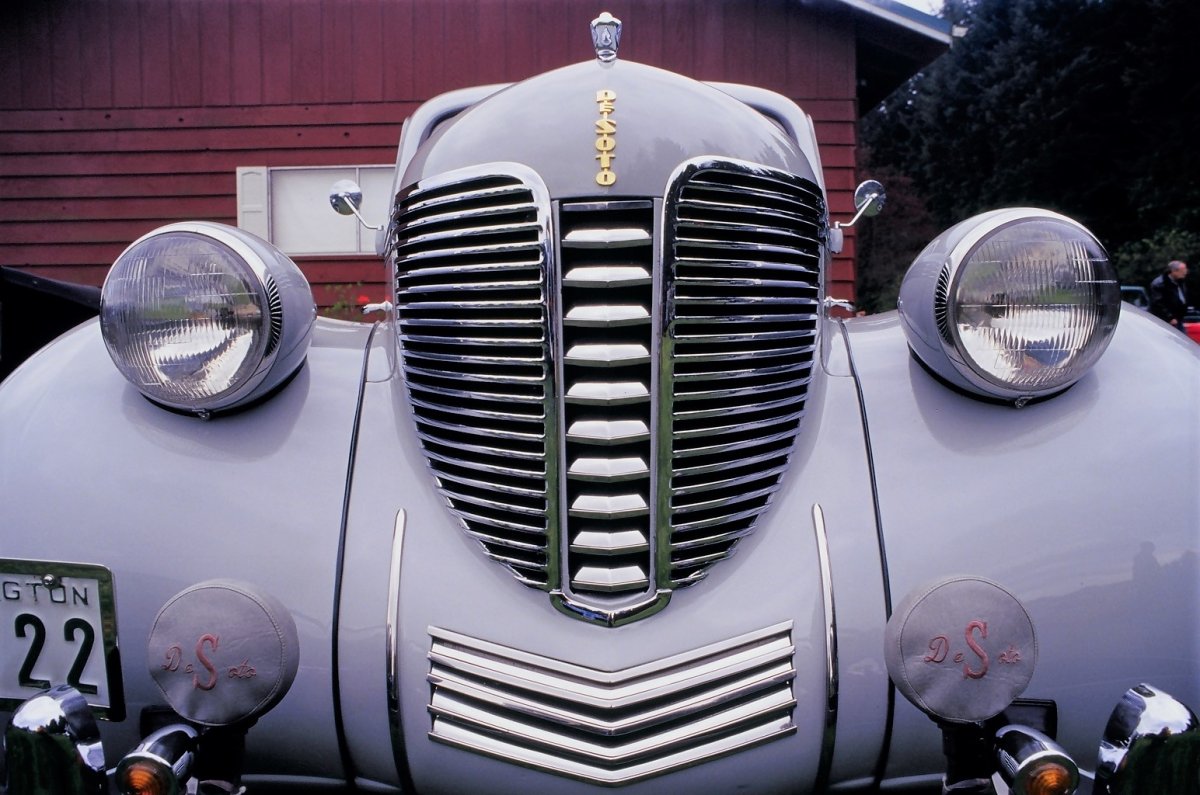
(487, 543)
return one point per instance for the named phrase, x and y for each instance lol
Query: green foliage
(1087, 108)
(888, 243)
(1140, 261)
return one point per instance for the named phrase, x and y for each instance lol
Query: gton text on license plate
(58, 625)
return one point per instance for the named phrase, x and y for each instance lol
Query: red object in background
(1191, 323)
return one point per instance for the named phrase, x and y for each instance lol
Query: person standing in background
(1168, 295)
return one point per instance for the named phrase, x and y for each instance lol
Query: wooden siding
(117, 116)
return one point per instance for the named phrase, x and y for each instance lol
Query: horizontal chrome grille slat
(465, 410)
(507, 488)
(608, 393)
(468, 287)
(466, 194)
(426, 423)
(611, 726)
(625, 542)
(740, 354)
(605, 316)
(752, 266)
(610, 579)
(605, 506)
(608, 432)
(804, 366)
(761, 438)
(491, 378)
(788, 393)
(507, 248)
(606, 276)
(606, 238)
(480, 449)
(460, 498)
(459, 233)
(504, 542)
(607, 469)
(723, 483)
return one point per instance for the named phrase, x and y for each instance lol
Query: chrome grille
(611, 727)
(743, 270)
(472, 311)
(609, 409)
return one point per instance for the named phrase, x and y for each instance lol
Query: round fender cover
(223, 652)
(960, 649)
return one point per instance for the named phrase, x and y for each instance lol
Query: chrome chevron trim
(611, 727)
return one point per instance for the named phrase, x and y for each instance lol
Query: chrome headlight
(202, 317)
(1011, 304)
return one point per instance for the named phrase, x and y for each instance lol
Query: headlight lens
(193, 316)
(1021, 303)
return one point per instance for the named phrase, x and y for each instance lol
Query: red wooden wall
(117, 116)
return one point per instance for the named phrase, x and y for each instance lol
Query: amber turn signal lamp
(147, 777)
(161, 763)
(1032, 764)
(1049, 778)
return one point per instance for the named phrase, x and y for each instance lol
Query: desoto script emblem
(606, 140)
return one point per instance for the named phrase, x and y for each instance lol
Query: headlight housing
(1012, 304)
(203, 317)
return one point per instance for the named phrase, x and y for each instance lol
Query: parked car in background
(609, 497)
(1136, 296)
(1191, 323)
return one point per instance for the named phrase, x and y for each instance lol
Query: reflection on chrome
(1142, 727)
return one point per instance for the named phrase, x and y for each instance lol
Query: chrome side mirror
(52, 744)
(869, 198)
(1148, 732)
(346, 198)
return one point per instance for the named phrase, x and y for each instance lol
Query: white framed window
(289, 206)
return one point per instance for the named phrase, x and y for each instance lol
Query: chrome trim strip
(831, 651)
(724, 746)
(392, 643)
(603, 753)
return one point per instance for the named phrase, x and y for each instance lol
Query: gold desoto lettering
(606, 142)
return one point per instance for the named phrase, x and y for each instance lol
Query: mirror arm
(846, 225)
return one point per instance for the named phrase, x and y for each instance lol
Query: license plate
(58, 625)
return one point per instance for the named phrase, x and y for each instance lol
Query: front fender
(92, 472)
(1085, 506)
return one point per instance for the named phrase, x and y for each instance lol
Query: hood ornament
(606, 37)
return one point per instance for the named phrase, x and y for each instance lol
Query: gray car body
(1086, 506)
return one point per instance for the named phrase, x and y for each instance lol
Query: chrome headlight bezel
(150, 301)
(1037, 347)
